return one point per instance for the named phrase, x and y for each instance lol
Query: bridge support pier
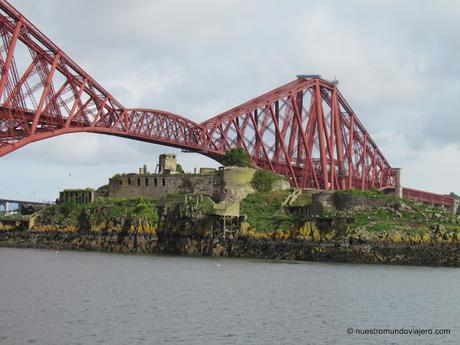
(4, 204)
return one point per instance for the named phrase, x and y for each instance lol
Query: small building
(227, 184)
(167, 181)
(230, 184)
(81, 196)
(207, 171)
(167, 163)
(157, 186)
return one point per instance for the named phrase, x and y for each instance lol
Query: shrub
(263, 180)
(179, 169)
(103, 189)
(236, 157)
(105, 213)
(370, 193)
(264, 211)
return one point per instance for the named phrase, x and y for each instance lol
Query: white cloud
(397, 67)
(434, 169)
(80, 149)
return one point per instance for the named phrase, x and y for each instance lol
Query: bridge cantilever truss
(304, 130)
(43, 93)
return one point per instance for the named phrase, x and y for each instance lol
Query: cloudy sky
(397, 63)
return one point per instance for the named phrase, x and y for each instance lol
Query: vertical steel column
(283, 147)
(338, 135)
(351, 139)
(321, 135)
(276, 120)
(363, 163)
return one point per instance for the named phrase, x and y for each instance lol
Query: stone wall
(345, 201)
(236, 183)
(322, 203)
(157, 186)
(327, 202)
(230, 184)
(81, 196)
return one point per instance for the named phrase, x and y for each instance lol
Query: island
(237, 211)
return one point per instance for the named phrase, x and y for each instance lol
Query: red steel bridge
(304, 130)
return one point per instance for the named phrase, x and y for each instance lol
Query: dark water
(90, 298)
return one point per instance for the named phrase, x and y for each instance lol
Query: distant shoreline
(431, 254)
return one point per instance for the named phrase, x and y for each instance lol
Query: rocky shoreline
(426, 254)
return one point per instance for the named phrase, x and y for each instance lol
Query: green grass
(379, 227)
(118, 212)
(406, 216)
(264, 212)
(263, 180)
(302, 200)
(371, 193)
(14, 217)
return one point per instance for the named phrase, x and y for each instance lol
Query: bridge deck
(22, 202)
(427, 197)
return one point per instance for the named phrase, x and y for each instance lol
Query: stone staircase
(291, 197)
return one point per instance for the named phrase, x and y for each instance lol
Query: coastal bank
(429, 254)
(342, 226)
(238, 211)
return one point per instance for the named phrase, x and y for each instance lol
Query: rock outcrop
(431, 254)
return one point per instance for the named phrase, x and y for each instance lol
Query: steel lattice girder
(51, 95)
(304, 129)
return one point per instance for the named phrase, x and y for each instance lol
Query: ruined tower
(167, 163)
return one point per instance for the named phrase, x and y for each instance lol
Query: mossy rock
(415, 239)
(330, 235)
(245, 227)
(307, 229)
(426, 238)
(316, 235)
(395, 237)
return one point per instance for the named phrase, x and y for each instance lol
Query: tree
(236, 157)
(179, 169)
(263, 180)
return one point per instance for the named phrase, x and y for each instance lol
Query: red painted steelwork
(51, 95)
(428, 198)
(304, 130)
